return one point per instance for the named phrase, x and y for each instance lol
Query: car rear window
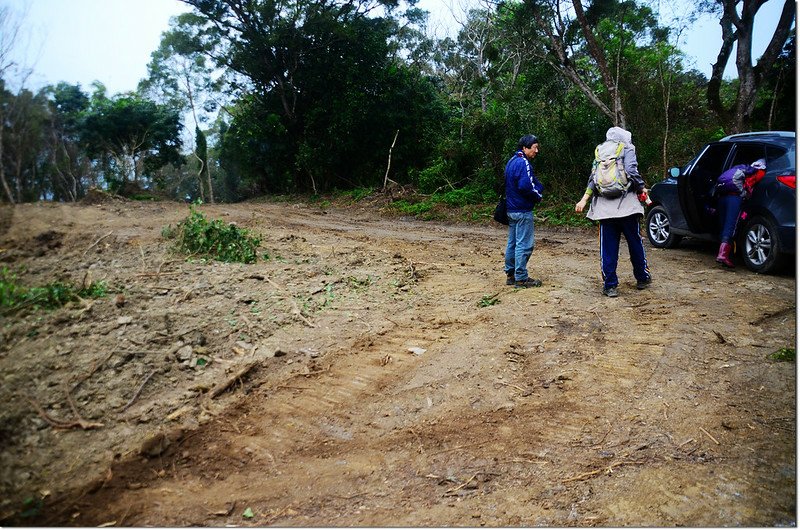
(747, 153)
(778, 158)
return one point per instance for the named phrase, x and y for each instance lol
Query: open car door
(695, 187)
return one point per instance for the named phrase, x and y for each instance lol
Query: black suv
(683, 204)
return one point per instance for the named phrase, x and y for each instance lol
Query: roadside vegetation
(16, 297)
(456, 205)
(359, 97)
(199, 237)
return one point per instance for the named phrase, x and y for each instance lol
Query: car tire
(759, 245)
(659, 230)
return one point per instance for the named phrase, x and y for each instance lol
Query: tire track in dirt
(350, 378)
(543, 409)
(299, 419)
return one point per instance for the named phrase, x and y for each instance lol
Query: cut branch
(138, 391)
(63, 424)
(219, 389)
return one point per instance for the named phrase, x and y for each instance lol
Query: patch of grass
(360, 193)
(410, 208)
(358, 283)
(476, 213)
(464, 197)
(561, 215)
(785, 355)
(475, 204)
(213, 239)
(14, 296)
(488, 300)
(144, 197)
(31, 507)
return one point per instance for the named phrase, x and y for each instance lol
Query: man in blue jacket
(523, 192)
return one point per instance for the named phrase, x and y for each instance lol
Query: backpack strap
(618, 158)
(621, 168)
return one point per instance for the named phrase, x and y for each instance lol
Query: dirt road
(377, 371)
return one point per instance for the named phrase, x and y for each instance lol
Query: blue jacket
(523, 189)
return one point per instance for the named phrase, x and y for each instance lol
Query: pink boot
(724, 254)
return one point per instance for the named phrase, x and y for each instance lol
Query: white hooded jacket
(602, 208)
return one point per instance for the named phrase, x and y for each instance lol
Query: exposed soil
(377, 371)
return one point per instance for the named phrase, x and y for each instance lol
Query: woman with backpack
(616, 188)
(732, 188)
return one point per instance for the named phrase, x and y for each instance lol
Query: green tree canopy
(321, 89)
(132, 135)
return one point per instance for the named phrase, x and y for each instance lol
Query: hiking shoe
(610, 292)
(510, 279)
(644, 284)
(530, 282)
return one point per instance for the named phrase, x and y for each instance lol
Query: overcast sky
(80, 41)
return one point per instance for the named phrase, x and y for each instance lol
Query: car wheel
(759, 245)
(658, 229)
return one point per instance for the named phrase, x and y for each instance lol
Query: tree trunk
(738, 29)
(208, 179)
(204, 160)
(564, 65)
(610, 82)
(3, 179)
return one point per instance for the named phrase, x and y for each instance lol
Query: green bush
(466, 196)
(359, 193)
(413, 208)
(434, 177)
(213, 239)
(144, 197)
(783, 355)
(561, 215)
(14, 296)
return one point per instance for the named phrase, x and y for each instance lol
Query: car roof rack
(784, 134)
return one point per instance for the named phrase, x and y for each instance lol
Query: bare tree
(611, 81)
(9, 32)
(181, 75)
(478, 34)
(554, 19)
(738, 29)
(682, 18)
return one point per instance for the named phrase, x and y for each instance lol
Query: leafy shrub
(561, 215)
(14, 296)
(213, 239)
(488, 300)
(359, 193)
(466, 196)
(413, 208)
(433, 177)
(783, 355)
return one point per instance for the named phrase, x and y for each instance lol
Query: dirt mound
(378, 372)
(98, 196)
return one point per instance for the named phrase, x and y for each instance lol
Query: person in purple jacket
(523, 192)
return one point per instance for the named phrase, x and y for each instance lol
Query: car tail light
(788, 180)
